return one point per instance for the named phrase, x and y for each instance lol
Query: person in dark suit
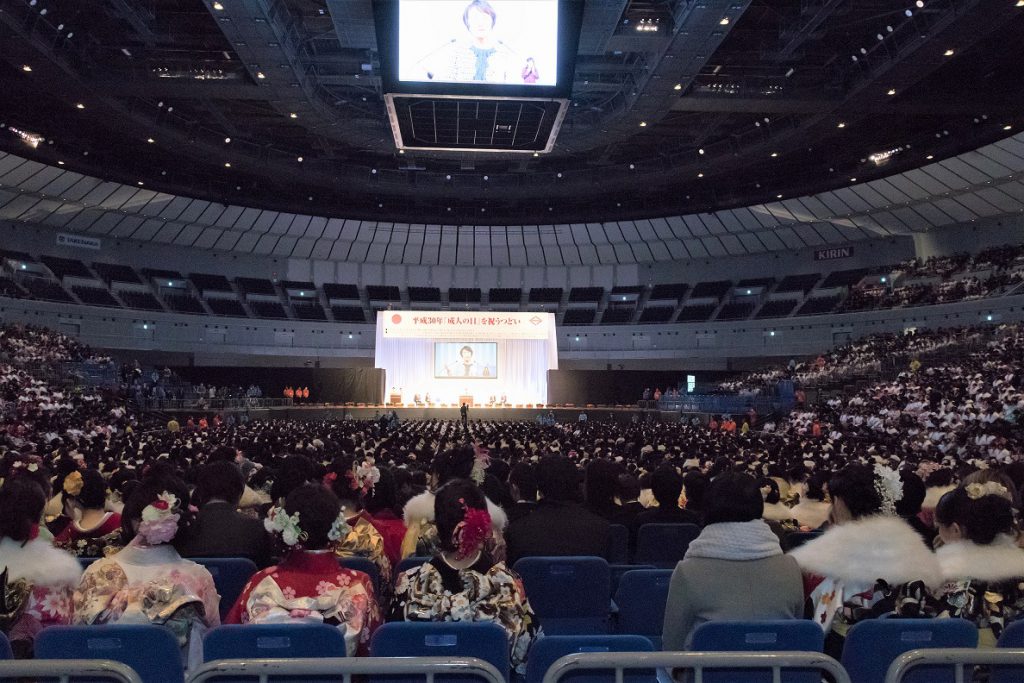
(559, 525)
(219, 529)
(666, 485)
(522, 481)
(630, 507)
(464, 412)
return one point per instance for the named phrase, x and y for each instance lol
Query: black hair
(914, 492)
(93, 495)
(384, 495)
(220, 479)
(558, 479)
(524, 477)
(449, 508)
(733, 497)
(855, 485)
(981, 520)
(485, 7)
(696, 486)
(294, 471)
(147, 492)
(816, 485)
(21, 505)
(940, 477)
(628, 487)
(666, 485)
(318, 509)
(601, 483)
(455, 463)
(774, 495)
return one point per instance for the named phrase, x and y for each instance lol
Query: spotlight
(778, 196)
(260, 75)
(700, 175)
(60, 163)
(293, 115)
(774, 154)
(217, 6)
(678, 86)
(26, 68)
(150, 140)
(949, 53)
(919, 4)
(80, 106)
(930, 157)
(700, 151)
(227, 164)
(853, 180)
(299, 159)
(227, 141)
(724, 21)
(643, 124)
(892, 91)
(841, 125)
(1007, 127)
(140, 182)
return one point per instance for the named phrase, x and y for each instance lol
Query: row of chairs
(871, 647)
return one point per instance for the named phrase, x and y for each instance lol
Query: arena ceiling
(277, 104)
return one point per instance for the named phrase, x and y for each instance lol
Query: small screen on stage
(473, 360)
(494, 42)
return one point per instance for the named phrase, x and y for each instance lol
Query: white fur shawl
(1000, 561)
(421, 508)
(39, 562)
(869, 549)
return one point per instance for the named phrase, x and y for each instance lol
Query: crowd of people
(914, 482)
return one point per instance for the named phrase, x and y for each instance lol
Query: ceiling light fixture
(678, 86)
(1007, 127)
(60, 163)
(140, 182)
(26, 68)
(643, 124)
(930, 157)
(299, 159)
(150, 140)
(227, 164)
(853, 180)
(700, 151)
(227, 141)
(293, 115)
(919, 4)
(774, 154)
(700, 175)
(80, 106)
(892, 91)
(841, 124)
(724, 21)
(260, 75)
(217, 6)
(949, 53)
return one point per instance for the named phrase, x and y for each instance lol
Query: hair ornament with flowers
(74, 483)
(889, 487)
(471, 532)
(160, 520)
(481, 461)
(989, 488)
(365, 476)
(280, 522)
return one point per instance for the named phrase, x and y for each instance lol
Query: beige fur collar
(1000, 561)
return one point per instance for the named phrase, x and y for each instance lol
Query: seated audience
(667, 487)
(147, 582)
(600, 486)
(351, 481)
(37, 581)
(735, 552)
(774, 509)
(462, 582)
(90, 528)
(219, 530)
(982, 567)
(909, 506)
(813, 509)
(522, 483)
(308, 585)
(628, 488)
(381, 510)
(869, 563)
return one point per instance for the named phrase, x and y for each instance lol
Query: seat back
(273, 641)
(567, 593)
(366, 566)
(151, 650)
(664, 545)
(548, 649)
(619, 570)
(5, 648)
(759, 636)
(641, 598)
(1011, 637)
(230, 574)
(873, 644)
(618, 544)
(485, 640)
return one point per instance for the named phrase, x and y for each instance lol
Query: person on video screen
(466, 366)
(478, 55)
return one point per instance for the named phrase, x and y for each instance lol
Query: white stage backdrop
(446, 355)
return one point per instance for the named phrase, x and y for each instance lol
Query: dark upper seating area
(45, 289)
(349, 314)
(210, 283)
(298, 286)
(504, 295)
(579, 316)
(777, 309)
(736, 310)
(716, 289)
(798, 283)
(657, 314)
(383, 293)
(10, 289)
(545, 295)
(757, 282)
(424, 294)
(267, 309)
(230, 307)
(159, 274)
(255, 285)
(618, 315)
(817, 306)
(183, 302)
(696, 313)
(143, 300)
(115, 272)
(845, 278)
(95, 296)
(464, 295)
(64, 267)
(309, 311)
(669, 291)
(343, 292)
(586, 294)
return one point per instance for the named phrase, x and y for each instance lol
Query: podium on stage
(468, 400)
(395, 399)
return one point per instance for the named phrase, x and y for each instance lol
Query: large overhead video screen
(485, 42)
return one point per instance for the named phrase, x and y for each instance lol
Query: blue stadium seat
(759, 636)
(1011, 637)
(564, 592)
(547, 649)
(619, 570)
(366, 566)
(410, 562)
(485, 640)
(873, 644)
(641, 598)
(230, 574)
(618, 544)
(5, 648)
(85, 562)
(151, 650)
(274, 641)
(664, 545)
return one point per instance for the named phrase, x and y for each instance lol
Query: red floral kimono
(91, 542)
(311, 587)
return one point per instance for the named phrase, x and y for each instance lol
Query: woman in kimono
(982, 567)
(147, 582)
(869, 563)
(37, 581)
(463, 582)
(351, 482)
(91, 529)
(309, 585)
